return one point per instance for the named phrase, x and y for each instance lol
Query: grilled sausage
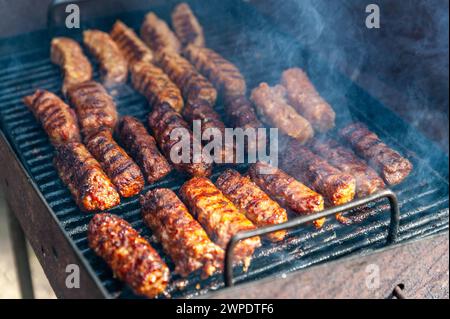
(186, 26)
(241, 114)
(222, 73)
(181, 236)
(83, 175)
(303, 96)
(249, 198)
(218, 216)
(56, 117)
(337, 187)
(157, 34)
(94, 106)
(142, 147)
(192, 84)
(124, 173)
(129, 255)
(389, 163)
(113, 65)
(272, 106)
(286, 190)
(367, 180)
(75, 66)
(155, 85)
(130, 44)
(210, 124)
(163, 120)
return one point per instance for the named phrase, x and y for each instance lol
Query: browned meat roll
(129, 255)
(181, 236)
(76, 68)
(157, 34)
(367, 180)
(113, 65)
(83, 175)
(186, 25)
(142, 147)
(130, 44)
(94, 106)
(249, 198)
(155, 85)
(337, 187)
(163, 120)
(218, 216)
(288, 191)
(222, 73)
(393, 167)
(124, 173)
(241, 114)
(303, 96)
(56, 117)
(272, 106)
(192, 84)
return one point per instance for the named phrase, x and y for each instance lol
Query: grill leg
(21, 260)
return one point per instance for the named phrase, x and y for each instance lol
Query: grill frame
(67, 236)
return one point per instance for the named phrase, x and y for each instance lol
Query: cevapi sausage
(249, 198)
(218, 216)
(286, 190)
(75, 66)
(113, 65)
(157, 34)
(393, 167)
(142, 147)
(124, 173)
(56, 117)
(131, 258)
(181, 236)
(186, 25)
(83, 175)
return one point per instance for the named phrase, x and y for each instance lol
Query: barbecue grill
(416, 208)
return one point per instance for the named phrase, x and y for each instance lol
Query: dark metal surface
(241, 36)
(302, 221)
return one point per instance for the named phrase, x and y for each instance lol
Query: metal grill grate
(241, 36)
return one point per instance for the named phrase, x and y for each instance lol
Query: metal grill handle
(391, 238)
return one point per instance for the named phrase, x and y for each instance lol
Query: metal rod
(391, 238)
(19, 247)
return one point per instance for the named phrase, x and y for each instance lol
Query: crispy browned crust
(241, 114)
(222, 73)
(130, 44)
(393, 167)
(181, 236)
(131, 258)
(303, 96)
(83, 175)
(124, 173)
(337, 187)
(94, 106)
(272, 106)
(367, 180)
(186, 25)
(56, 117)
(163, 120)
(142, 147)
(155, 85)
(286, 190)
(249, 198)
(75, 66)
(192, 84)
(157, 34)
(218, 216)
(113, 65)
(210, 122)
